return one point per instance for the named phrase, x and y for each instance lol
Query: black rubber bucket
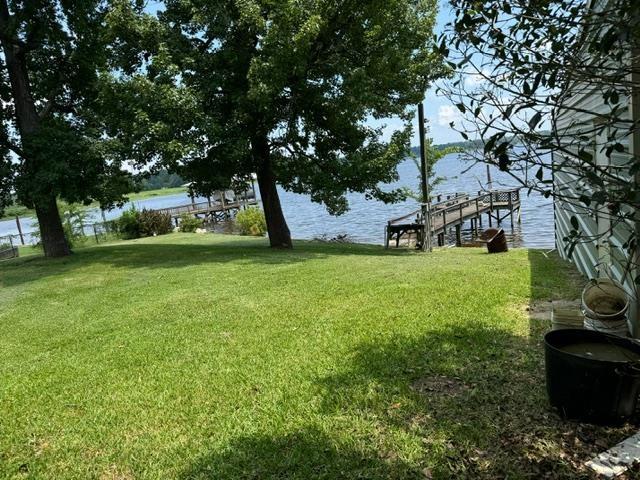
(592, 376)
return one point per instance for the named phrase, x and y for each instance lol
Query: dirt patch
(440, 385)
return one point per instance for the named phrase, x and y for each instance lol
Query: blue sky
(438, 110)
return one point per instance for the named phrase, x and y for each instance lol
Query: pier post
(458, 236)
(511, 210)
(224, 204)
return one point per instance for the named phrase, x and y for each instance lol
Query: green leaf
(574, 223)
(488, 146)
(585, 156)
(535, 120)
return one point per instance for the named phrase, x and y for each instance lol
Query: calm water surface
(366, 220)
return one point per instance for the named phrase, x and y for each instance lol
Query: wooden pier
(212, 211)
(453, 212)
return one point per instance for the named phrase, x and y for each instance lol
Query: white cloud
(476, 79)
(447, 114)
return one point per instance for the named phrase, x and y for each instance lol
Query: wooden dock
(453, 212)
(212, 211)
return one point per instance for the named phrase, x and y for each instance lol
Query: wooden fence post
(20, 230)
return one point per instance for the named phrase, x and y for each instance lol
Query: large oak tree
(284, 89)
(51, 135)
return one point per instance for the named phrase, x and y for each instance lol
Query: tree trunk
(279, 235)
(52, 234)
(28, 123)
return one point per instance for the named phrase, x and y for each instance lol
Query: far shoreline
(23, 212)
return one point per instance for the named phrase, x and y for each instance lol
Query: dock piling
(453, 213)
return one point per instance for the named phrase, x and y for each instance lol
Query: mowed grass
(204, 356)
(159, 192)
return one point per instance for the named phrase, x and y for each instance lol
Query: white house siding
(601, 254)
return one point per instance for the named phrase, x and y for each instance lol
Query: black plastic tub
(592, 376)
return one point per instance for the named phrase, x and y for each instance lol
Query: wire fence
(86, 233)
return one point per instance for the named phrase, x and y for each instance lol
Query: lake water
(366, 219)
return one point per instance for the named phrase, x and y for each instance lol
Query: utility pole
(424, 174)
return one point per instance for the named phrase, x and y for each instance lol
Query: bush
(154, 223)
(128, 225)
(145, 223)
(251, 222)
(189, 224)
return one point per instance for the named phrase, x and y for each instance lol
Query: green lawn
(203, 356)
(160, 192)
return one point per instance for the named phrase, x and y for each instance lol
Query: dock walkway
(453, 212)
(211, 210)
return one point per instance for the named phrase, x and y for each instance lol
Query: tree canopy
(548, 88)
(220, 90)
(52, 139)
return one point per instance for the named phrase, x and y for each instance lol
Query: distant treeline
(464, 145)
(162, 179)
(474, 144)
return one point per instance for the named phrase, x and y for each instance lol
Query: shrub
(145, 223)
(128, 225)
(189, 224)
(5, 246)
(154, 223)
(251, 222)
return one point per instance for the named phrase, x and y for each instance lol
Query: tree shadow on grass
(149, 255)
(304, 454)
(475, 396)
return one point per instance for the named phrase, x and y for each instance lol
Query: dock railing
(453, 211)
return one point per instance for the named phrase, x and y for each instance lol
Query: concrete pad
(616, 460)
